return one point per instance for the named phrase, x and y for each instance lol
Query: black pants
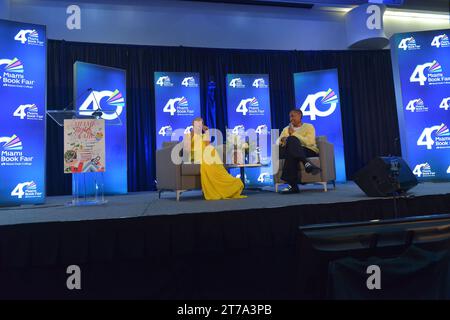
(293, 152)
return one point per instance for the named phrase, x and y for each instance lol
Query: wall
(403, 24)
(194, 24)
(198, 24)
(4, 9)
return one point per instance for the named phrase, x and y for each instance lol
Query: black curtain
(367, 96)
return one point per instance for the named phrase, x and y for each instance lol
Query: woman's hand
(205, 128)
(291, 130)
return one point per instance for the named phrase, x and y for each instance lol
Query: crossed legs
(293, 152)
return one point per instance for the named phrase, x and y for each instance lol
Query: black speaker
(385, 176)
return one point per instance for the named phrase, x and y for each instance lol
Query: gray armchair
(325, 161)
(175, 177)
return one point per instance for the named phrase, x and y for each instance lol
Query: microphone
(76, 99)
(97, 114)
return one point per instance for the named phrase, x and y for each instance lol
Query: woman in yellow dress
(217, 183)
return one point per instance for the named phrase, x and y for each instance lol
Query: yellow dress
(217, 183)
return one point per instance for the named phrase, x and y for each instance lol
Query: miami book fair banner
(248, 108)
(177, 103)
(317, 95)
(23, 113)
(101, 90)
(421, 67)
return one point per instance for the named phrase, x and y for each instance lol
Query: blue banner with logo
(104, 88)
(421, 66)
(248, 109)
(177, 102)
(22, 120)
(317, 95)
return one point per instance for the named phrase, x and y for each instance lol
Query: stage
(145, 204)
(139, 246)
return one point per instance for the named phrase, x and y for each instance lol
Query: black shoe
(290, 190)
(311, 168)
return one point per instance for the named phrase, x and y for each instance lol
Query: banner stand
(80, 197)
(421, 69)
(23, 70)
(102, 90)
(317, 96)
(177, 103)
(249, 123)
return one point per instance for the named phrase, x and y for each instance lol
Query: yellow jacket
(306, 134)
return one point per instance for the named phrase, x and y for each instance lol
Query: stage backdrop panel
(22, 118)
(177, 102)
(421, 66)
(100, 87)
(248, 107)
(317, 95)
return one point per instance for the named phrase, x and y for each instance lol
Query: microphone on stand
(76, 99)
(97, 114)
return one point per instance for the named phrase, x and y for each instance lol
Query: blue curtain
(211, 105)
(366, 91)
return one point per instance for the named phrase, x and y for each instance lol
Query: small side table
(242, 169)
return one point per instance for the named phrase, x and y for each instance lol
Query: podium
(87, 179)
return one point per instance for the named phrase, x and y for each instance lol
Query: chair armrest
(275, 156)
(168, 174)
(327, 161)
(277, 163)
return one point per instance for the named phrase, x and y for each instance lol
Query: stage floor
(147, 203)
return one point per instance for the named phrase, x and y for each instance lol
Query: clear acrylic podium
(87, 187)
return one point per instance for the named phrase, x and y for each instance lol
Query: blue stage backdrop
(248, 107)
(22, 119)
(421, 66)
(317, 95)
(101, 87)
(177, 102)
